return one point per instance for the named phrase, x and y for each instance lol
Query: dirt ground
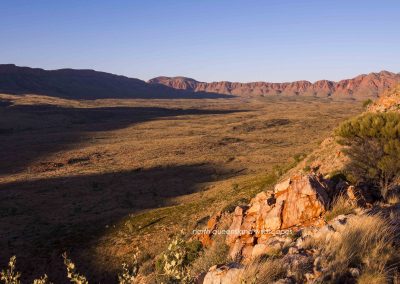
(73, 172)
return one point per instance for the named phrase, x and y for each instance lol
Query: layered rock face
(363, 86)
(298, 201)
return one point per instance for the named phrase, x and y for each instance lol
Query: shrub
(173, 264)
(373, 142)
(10, 275)
(72, 275)
(366, 103)
(42, 280)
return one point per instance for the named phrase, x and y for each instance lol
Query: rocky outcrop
(301, 263)
(388, 101)
(363, 86)
(298, 201)
(212, 223)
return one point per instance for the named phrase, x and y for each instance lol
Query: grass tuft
(341, 206)
(366, 242)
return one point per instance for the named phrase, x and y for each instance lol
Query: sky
(208, 40)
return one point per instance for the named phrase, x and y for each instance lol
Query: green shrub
(193, 248)
(367, 102)
(373, 142)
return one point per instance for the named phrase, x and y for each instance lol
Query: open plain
(98, 178)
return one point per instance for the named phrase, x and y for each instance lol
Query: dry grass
(340, 206)
(373, 277)
(393, 199)
(365, 242)
(263, 271)
(217, 253)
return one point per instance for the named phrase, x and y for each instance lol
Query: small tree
(373, 142)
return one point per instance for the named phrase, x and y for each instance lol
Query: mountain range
(84, 84)
(362, 86)
(90, 84)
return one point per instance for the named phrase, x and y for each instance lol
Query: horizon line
(207, 82)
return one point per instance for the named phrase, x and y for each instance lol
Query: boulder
(297, 201)
(304, 199)
(223, 274)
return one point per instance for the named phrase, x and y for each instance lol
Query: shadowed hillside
(84, 84)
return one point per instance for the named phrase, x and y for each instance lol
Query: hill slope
(362, 86)
(83, 84)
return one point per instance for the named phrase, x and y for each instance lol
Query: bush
(373, 142)
(367, 102)
(72, 275)
(12, 276)
(173, 263)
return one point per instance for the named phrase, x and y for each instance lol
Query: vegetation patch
(373, 145)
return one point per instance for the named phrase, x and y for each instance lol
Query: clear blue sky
(209, 40)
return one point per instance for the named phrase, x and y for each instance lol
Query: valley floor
(98, 178)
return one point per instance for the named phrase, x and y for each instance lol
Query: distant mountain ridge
(362, 86)
(90, 84)
(84, 84)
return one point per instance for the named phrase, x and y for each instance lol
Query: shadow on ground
(41, 219)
